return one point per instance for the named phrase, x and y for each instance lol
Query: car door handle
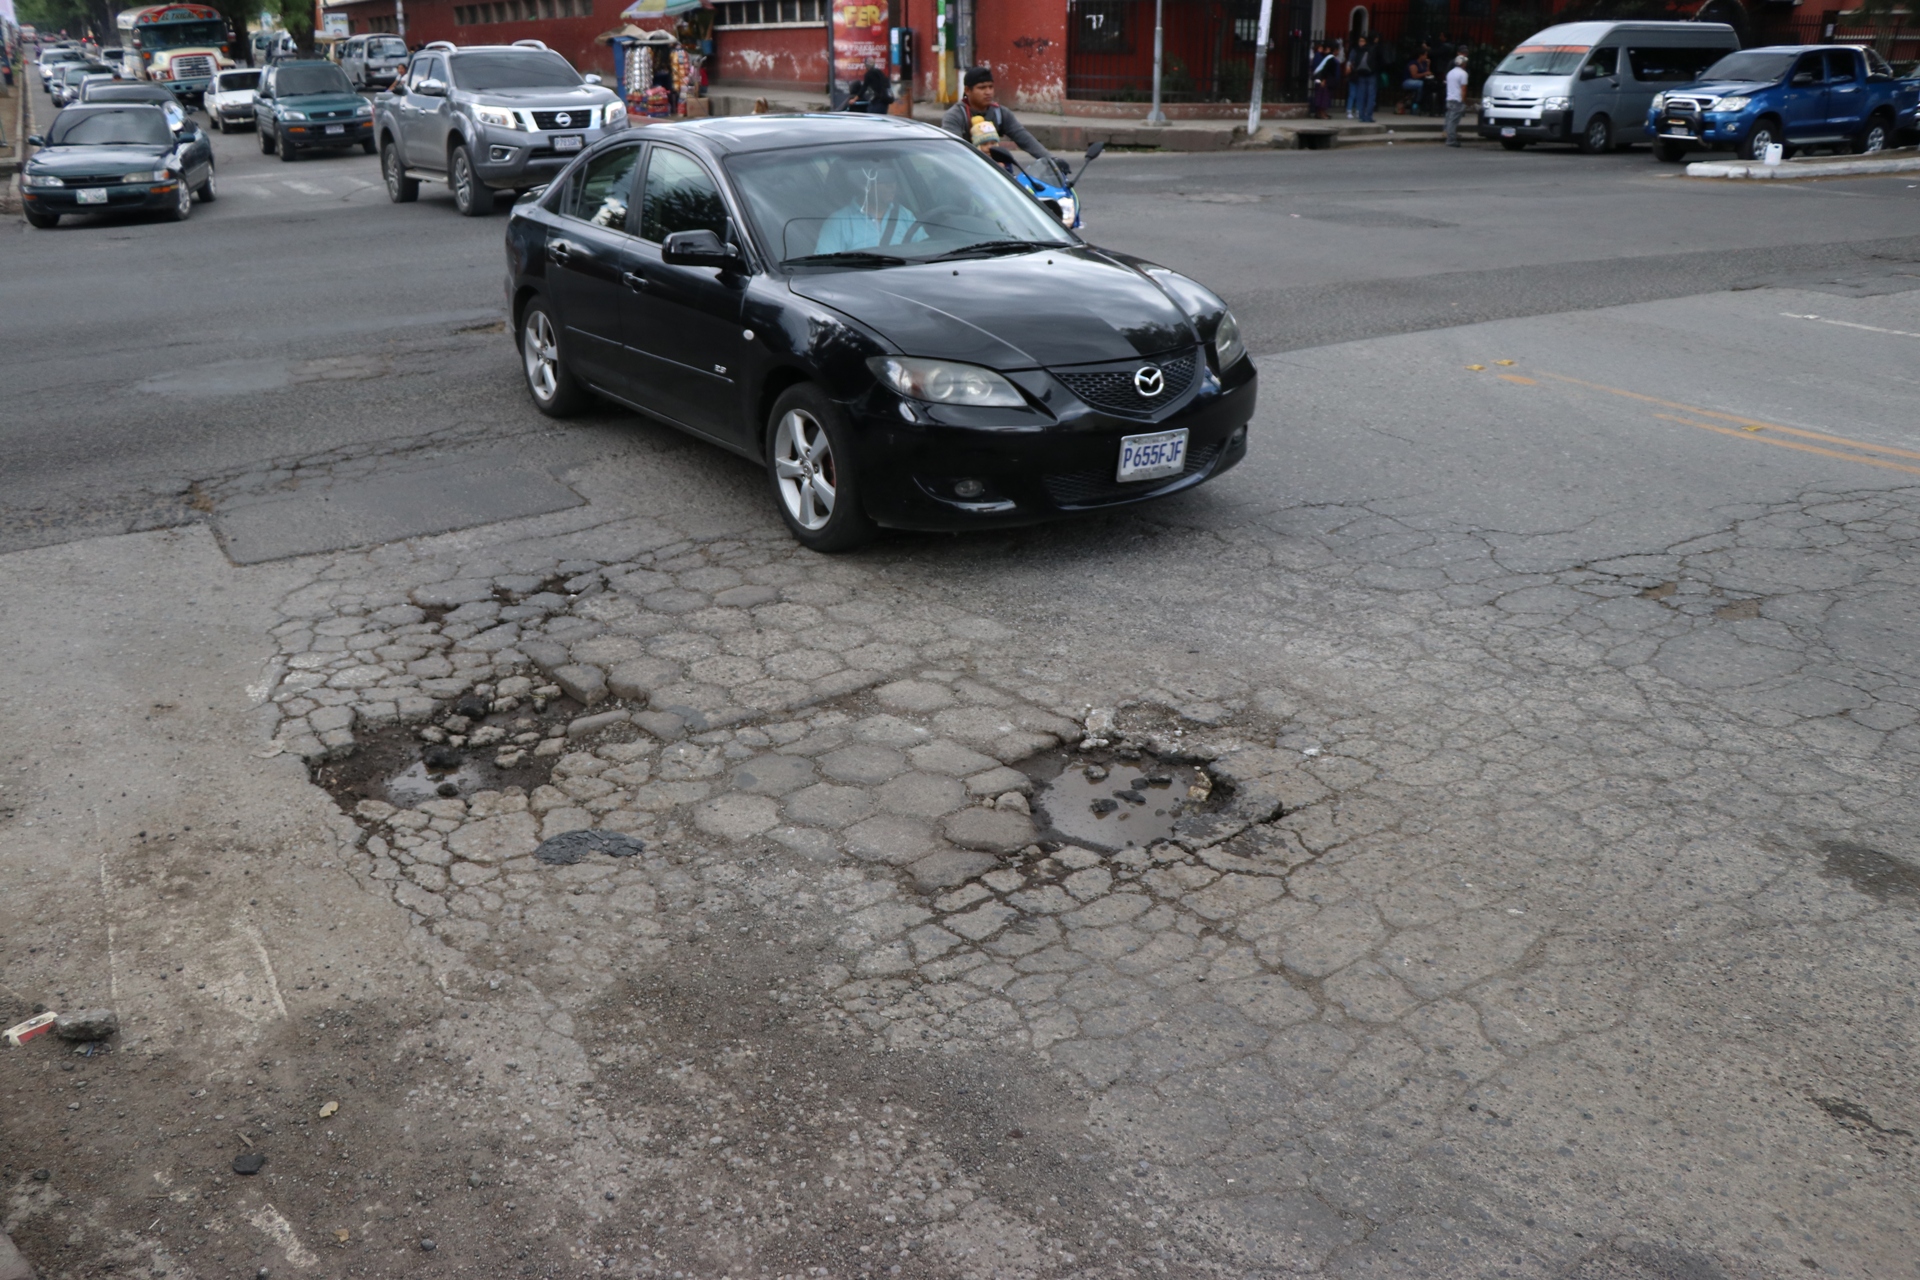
(637, 283)
(559, 251)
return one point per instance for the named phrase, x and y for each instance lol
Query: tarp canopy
(658, 9)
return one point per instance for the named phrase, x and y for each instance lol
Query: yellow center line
(1751, 424)
(1790, 444)
(1516, 378)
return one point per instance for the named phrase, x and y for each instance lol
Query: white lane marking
(307, 188)
(1848, 324)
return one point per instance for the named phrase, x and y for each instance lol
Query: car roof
(301, 62)
(151, 93)
(87, 108)
(739, 134)
(1574, 32)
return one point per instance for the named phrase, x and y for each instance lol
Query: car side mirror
(1590, 72)
(1802, 78)
(1094, 150)
(36, 140)
(1000, 155)
(592, 78)
(700, 248)
(433, 88)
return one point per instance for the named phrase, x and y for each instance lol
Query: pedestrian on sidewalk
(1419, 71)
(1320, 106)
(1363, 81)
(1456, 98)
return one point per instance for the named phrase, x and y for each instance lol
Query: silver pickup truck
(487, 118)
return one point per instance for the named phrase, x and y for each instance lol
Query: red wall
(771, 58)
(1026, 45)
(571, 38)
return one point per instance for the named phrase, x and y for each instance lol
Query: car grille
(576, 118)
(1091, 488)
(330, 115)
(1111, 387)
(94, 180)
(193, 67)
(1523, 105)
(1686, 106)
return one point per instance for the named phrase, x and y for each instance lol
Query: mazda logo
(1149, 381)
(563, 119)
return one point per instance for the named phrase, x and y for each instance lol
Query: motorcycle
(1055, 190)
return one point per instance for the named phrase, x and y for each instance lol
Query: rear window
(529, 69)
(392, 47)
(234, 81)
(294, 82)
(1754, 65)
(1660, 65)
(1543, 60)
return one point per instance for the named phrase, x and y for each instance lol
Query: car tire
(1597, 138)
(182, 202)
(1764, 133)
(1514, 144)
(208, 191)
(266, 139)
(369, 146)
(400, 188)
(555, 391)
(288, 152)
(1669, 152)
(472, 197)
(35, 218)
(1875, 136)
(812, 471)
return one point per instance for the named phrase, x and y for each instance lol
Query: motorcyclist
(977, 108)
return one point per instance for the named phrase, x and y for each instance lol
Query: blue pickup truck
(1795, 95)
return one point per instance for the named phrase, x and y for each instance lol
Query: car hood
(586, 95)
(324, 102)
(1722, 88)
(1009, 313)
(91, 160)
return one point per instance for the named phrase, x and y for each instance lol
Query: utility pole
(1260, 66)
(1157, 116)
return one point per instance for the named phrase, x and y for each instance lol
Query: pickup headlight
(1735, 103)
(616, 115)
(43, 180)
(1659, 102)
(498, 117)
(1559, 103)
(945, 382)
(148, 175)
(1228, 346)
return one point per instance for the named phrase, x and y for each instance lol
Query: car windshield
(881, 203)
(521, 69)
(1752, 64)
(389, 48)
(295, 82)
(1542, 60)
(127, 126)
(236, 81)
(181, 35)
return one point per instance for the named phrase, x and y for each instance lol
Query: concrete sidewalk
(1907, 161)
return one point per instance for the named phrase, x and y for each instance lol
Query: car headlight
(945, 382)
(498, 117)
(1228, 347)
(294, 115)
(1659, 102)
(616, 115)
(363, 112)
(1557, 103)
(44, 180)
(1735, 103)
(148, 175)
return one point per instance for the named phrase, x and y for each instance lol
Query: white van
(1591, 83)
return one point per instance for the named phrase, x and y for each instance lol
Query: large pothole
(1114, 800)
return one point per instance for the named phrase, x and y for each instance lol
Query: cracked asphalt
(1538, 895)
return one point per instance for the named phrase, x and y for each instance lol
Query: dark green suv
(308, 106)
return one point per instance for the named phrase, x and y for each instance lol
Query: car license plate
(1509, 132)
(569, 142)
(91, 195)
(1163, 453)
(336, 128)
(1678, 126)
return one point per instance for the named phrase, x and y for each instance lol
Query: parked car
(131, 91)
(67, 80)
(1589, 83)
(1794, 95)
(489, 118)
(971, 365)
(116, 156)
(309, 106)
(229, 99)
(373, 61)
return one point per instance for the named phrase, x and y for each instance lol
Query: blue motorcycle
(1050, 181)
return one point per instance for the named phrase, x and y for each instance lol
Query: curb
(1802, 168)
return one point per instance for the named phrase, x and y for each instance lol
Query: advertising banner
(859, 39)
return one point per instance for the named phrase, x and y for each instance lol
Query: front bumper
(1034, 473)
(1548, 126)
(316, 133)
(516, 159)
(122, 198)
(240, 114)
(1709, 132)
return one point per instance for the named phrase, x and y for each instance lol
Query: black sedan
(879, 315)
(117, 156)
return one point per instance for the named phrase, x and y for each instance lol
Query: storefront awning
(640, 9)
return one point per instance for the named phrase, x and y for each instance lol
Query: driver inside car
(873, 216)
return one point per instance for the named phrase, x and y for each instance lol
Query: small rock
(86, 1024)
(41, 1175)
(456, 724)
(584, 725)
(448, 789)
(426, 1246)
(1095, 772)
(582, 682)
(441, 758)
(1103, 806)
(508, 759)
(472, 706)
(248, 1163)
(1013, 800)
(473, 1179)
(611, 1196)
(486, 735)
(570, 847)
(433, 733)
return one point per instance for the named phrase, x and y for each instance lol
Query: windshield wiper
(847, 257)
(991, 247)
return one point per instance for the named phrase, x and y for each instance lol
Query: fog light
(969, 488)
(499, 154)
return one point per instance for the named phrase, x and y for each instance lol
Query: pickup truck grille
(1687, 105)
(192, 67)
(573, 118)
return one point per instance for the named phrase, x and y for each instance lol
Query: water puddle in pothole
(1108, 803)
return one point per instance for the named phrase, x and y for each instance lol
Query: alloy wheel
(542, 356)
(462, 180)
(804, 469)
(1875, 139)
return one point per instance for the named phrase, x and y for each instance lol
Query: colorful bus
(178, 45)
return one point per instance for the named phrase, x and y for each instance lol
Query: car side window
(1877, 68)
(680, 196)
(427, 68)
(1840, 68)
(1808, 70)
(1605, 62)
(603, 191)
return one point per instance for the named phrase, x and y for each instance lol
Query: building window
(769, 13)
(468, 15)
(1103, 27)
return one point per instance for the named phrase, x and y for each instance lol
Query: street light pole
(1157, 116)
(1260, 66)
